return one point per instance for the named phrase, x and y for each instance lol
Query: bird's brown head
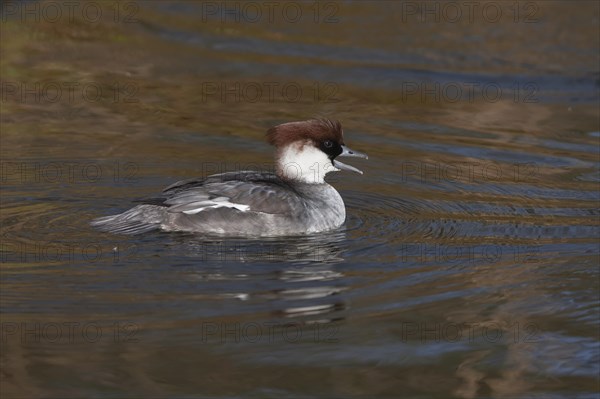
(323, 133)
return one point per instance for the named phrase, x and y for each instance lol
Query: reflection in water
(297, 261)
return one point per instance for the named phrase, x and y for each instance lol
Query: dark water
(468, 266)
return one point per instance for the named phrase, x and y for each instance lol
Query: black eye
(328, 144)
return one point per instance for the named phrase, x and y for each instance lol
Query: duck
(293, 200)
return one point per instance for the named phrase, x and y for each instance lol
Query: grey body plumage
(275, 207)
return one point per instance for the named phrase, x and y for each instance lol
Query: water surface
(468, 265)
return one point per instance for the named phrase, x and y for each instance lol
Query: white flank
(212, 205)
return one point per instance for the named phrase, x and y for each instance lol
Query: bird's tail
(137, 220)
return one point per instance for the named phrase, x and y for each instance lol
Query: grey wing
(254, 196)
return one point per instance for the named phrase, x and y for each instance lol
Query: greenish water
(468, 266)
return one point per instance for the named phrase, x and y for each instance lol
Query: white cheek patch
(305, 162)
